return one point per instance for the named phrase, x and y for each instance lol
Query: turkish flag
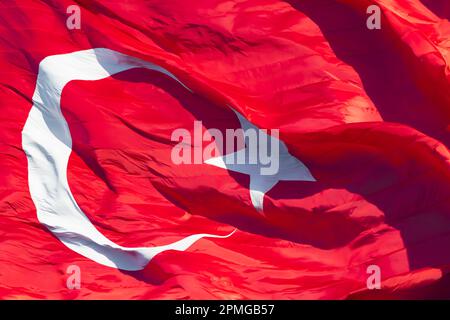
(93, 205)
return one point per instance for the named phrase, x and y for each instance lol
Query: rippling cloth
(367, 111)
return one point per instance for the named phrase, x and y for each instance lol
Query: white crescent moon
(47, 143)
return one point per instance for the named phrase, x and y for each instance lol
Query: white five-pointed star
(290, 168)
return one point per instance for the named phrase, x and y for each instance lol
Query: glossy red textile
(368, 112)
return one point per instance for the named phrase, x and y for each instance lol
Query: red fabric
(366, 110)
